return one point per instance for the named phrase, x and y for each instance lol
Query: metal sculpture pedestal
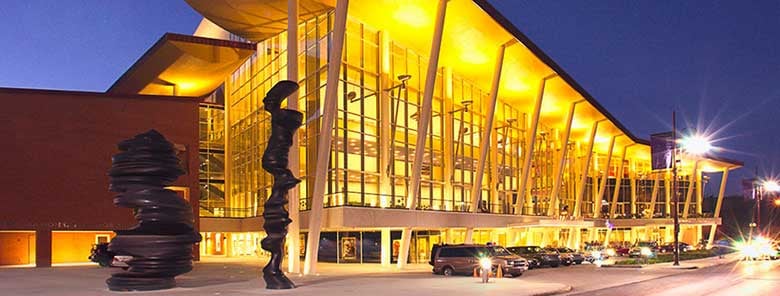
(284, 123)
(161, 243)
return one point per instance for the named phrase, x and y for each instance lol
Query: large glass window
(467, 132)
(211, 173)
(354, 175)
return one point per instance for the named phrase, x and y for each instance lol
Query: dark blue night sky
(716, 62)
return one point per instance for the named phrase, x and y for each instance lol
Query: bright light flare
(485, 263)
(611, 252)
(759, 248)
(696, 144)
(646, 252)
(771, 185)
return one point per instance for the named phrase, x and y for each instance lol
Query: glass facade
(211, 172)
(379, 98)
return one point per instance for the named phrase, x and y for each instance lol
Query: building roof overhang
(256, 20)
(183, 65)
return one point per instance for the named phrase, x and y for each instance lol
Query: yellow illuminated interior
(371, 165)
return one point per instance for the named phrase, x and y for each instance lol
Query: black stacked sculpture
(284, 123)
(161, 243)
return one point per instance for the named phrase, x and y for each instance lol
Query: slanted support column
(699, 189)
(293, 230)
(691, 181)
(603, 187)
(326, 135)
(716, 213)
(449, 144)
(386, 248)
(668, 195)
(632, 178)
(606, 237)
(422, 128)
(553, 210)
(476, 191)
(584, 177)
(385, 128)
(529, 151)
(653, 196)
(469, 239)
(618, 180)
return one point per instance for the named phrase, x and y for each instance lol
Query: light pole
(674, 191)
(761, 188)
(693, 144)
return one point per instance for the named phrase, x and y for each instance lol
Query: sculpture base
(277, 282)
(123, 282)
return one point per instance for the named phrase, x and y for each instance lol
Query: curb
(621, 266)
(566, 289)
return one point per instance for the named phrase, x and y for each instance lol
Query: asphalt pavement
(736, 278)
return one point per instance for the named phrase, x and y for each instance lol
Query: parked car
(650, 246)
(566, 260)
(464, 259)
(620, 250)
(596, 252)
(573, 255)
(669, 248)
(544, 258)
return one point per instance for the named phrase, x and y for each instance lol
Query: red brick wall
(56, 150)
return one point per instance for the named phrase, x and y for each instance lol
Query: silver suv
(464, 259)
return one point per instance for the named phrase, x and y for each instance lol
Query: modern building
(426, 122)
(440, 122)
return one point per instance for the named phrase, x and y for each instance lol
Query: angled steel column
(718, 204)
(618, 180)
(558, 177)
(599, 197)
(521, 190)
(385, 129)
(293, 230)
(584, 178)
(476, 191)
(699, 189)
(422, 128)
(654, 195)
(691, 181)
(326, 135)
(449, 127)
(668, 195)
(632, 181)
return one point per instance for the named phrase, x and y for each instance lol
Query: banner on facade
(748, 189)
(661, 149)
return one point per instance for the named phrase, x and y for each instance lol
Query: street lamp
(765, 186)
(692, 144)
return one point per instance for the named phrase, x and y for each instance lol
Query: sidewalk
(214, 277)
(697, 263)
(685, 264)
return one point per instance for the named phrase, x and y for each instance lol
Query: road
(739, 278)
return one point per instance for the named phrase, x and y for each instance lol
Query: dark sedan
(669, 248)
(576, 257)
(537, 254)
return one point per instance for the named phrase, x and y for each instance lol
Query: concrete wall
(56, 152)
